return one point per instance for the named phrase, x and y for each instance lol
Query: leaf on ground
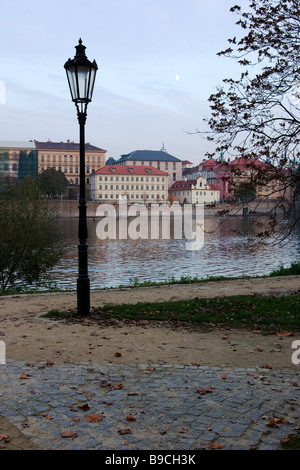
(93, 418)
(4, 437)
(124, 431)
(118, 387)
(84, 407)
(274, 422)
(215, 445)
(130, 418)
(281, 333)
(72, 434)
(202, 391)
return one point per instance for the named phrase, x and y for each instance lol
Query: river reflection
(225, 252)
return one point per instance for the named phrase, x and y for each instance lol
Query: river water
(226, 252)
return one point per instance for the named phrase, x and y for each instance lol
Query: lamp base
(83, 296)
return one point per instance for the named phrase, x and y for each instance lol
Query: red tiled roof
(130, 170)
(182, 184)
(187, 184)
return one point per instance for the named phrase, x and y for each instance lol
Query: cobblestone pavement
(161, 407)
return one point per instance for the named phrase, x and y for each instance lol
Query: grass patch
(292, 442)
(264, 313)
(293, 270)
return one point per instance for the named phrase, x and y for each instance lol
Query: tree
(29, 245)
(53, 183)
(257, 116)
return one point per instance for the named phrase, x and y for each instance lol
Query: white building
(195, 191)
(139, 183)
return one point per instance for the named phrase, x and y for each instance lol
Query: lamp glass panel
(71, 74)
(83, 74)
(92, 82)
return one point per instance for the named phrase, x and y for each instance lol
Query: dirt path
(31, 338)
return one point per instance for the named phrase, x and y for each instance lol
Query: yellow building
(64, 157)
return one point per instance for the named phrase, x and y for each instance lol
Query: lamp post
(81, 74)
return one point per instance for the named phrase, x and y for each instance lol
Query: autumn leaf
(72, 434)
(93, 418)
(118, 387)
(274, 422)
(130, 418)
(215, 445)
(4, 437)
(84, 407)
(117, 354)
(124, 431)
(224, 377)
(24, 376)
(259, 348)
(202, 391)
(49, 363)
(281, 333)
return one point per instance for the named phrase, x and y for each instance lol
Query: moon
(177, 78)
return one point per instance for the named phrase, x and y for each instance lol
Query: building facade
(159, 159)
(64, 157)
(195, 191)
(138, 183)
(18, 159)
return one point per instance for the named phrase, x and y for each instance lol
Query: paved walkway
(162, 407)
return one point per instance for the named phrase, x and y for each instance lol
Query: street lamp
(81, 74)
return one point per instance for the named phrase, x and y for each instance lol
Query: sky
(157, 66)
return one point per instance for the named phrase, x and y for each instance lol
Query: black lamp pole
(83, 281)
(81, 75)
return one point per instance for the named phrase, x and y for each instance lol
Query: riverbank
(68, 208)
(41, 343)
(29, 336)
